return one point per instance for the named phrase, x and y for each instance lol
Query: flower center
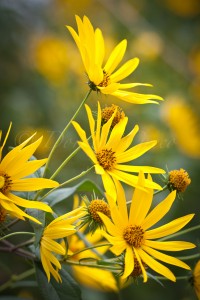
(134, 235)
(107, 113)
(5, 183)
(98, 206)
(105, 82)
(179, 180)
(137, 271)
(106, 79)
(106, 159)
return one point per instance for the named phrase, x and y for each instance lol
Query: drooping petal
(109, 185)
(51, 245)
(80, 131)
(128, 262)
(166, 258)
(144, 273)
(121, 201)
(156, 266)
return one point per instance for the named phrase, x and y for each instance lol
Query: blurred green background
(42, 82)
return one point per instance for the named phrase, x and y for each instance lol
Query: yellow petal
(100, 47)
(88, 150)
(116, 134)
(5, 139)
(115, 57)
(156, 266)
(33, 184)
(127, 140)
(159, 211)
(51, 245)
(80, 131)
(128, 262)
(111, 228)
(170, 245)
(137, 169)
(28, 168)
(169, 228)
(144, 273)
(121, 201)
(166, 258)
(125, 70)
(109, 185)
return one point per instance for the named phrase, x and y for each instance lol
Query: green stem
(88, 248)
(15, 278)
(68, 181)
(197, 255)
(159, 191)
(91, 265)
(16, 233)
(177, 278)
(66, 161)
(64, 131)
(180, 233)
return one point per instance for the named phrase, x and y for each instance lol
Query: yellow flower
(196, 279)
(110, 152)
(59, 228)
(133, 234)
(106, 79)
(14, 168)
(179, 180)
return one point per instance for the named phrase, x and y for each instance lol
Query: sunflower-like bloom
(133, 233)
(110, 151)
(106, 79)
(59, 228)
(14, 167)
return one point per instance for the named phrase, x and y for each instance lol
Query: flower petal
(128, 262)
(33, 184)
(125, 70)
(115, 57)
(170, 245)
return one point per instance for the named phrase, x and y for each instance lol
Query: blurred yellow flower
(185, 126)
(98, 279)
(106, 79)
(14, 169)
(59, 228)
(147, 44)
(132, 232)
(51, 58)
(110, 151)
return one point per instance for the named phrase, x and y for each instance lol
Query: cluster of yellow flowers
(128, 228)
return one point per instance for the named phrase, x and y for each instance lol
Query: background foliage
(42, 82)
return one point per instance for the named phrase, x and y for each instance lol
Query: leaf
(67, 290)
(38, 229)
(62, 194)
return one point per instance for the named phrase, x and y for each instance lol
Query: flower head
(133, 234)
(59, 228)
(179, 180)
(14, 169)
(108, 111)
(111, 151)
(106, 79)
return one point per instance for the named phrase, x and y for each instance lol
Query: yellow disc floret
(108, 111)
(179, 180)
(106, 159)
(5, 183)
(98, 206)
(134, 235)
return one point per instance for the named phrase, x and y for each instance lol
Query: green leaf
(67, 290)
(62, 194)
(38, 229)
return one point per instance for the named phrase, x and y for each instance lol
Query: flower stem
(15, 278)
(16, 233)
(177, 278)
(159, 191)
(180, 233)
(64, 131)
(92, 265)
(68, 181)
(197, 255)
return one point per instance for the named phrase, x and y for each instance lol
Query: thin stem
(12, 248)
(177, 278)
(66, 161)
(180, 233)
(91, 265)
(16, 233)
(26, 243)
(68, 181)
(88, 248)
(159, 191)
(12, 223)
(64, 131)
(15, 278)
(197, 255)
